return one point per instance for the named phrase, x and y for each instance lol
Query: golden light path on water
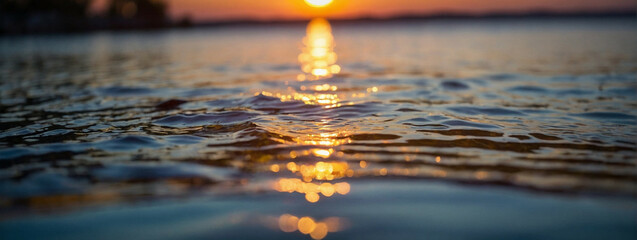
(318, 57)
(318, 62)
(313, 172)
(325, 178)
(309, 226)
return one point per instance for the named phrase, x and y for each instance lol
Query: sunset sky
(201, 10)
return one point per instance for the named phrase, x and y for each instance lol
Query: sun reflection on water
(316, 172)
(318, 57)
(321, 171)
(328, 100)
(326, 139)
(309, 189)
(318, 62)
(309, 226)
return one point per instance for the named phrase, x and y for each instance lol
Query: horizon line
(536, 13)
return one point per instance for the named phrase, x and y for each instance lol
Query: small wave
(156, 172)
(170, 104)
(373, 136)
(462, 123)
(125, 91)
(545, 137)
(479, 143)
(606, 115)
(493, 111)
(127, 143)
(454, 85)
(530, 89)
(222, 118)
(465, 132)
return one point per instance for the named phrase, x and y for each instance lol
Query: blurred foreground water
(386, 130)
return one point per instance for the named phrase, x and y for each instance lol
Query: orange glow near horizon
(212, 10)
(299, 9)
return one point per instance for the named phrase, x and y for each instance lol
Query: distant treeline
(540, 14)
(46, 16)
(37, 16)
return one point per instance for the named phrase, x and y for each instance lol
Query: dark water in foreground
(406, 130)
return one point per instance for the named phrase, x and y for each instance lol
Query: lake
(441, 129)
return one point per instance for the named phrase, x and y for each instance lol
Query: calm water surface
(389, 130)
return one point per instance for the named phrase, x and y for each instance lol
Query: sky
(206, 10)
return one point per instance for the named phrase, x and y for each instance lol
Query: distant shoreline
(439, 16)
(99, 25)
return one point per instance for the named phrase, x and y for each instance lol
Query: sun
(318, 3)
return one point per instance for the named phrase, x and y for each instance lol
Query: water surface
(436, 129)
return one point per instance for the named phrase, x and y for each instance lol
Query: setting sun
(318, 3)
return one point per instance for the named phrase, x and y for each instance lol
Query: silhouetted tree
(138, 13)
(43, 15)
(185, 21)
(27, 16)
